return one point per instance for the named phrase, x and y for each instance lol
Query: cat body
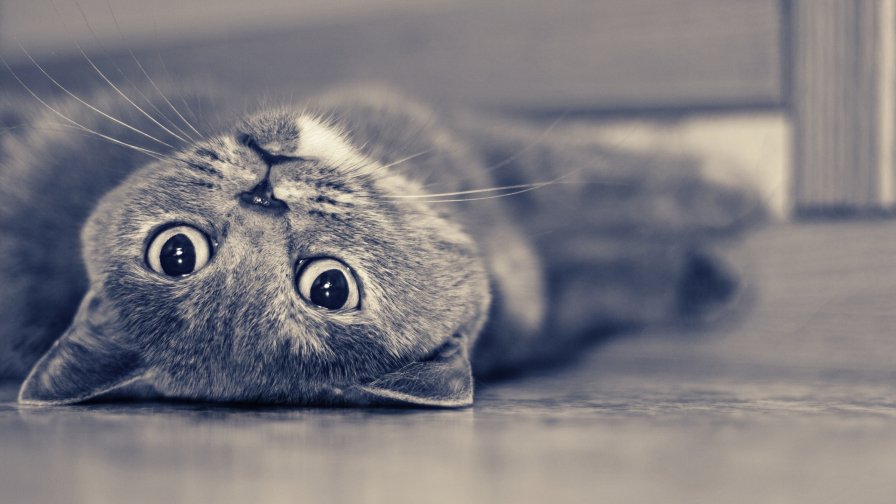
(439, 277)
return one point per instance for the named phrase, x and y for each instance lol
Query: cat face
(273, 263)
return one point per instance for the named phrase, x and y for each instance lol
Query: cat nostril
(261, 197)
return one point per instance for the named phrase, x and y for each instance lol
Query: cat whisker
(79, 126)
(182, 100)
(362, 166)
(473, 191)
(537, 140)
(405, 159)
(123, 74)
(91, 107)
(461, 193)
(151, 153)
(496, 196)
(107, 80)
(521, 188)
(31, 127)
(154, 107)
(151, 82)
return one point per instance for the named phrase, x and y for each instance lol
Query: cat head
(276, 262)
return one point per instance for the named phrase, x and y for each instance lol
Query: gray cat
(357, 249)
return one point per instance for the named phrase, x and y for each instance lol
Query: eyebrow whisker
(187, 105)
(405, 159)
(91, 107)
(149, 152)
(473, 191)
(153, 82)
(109, 81)
(495, 196)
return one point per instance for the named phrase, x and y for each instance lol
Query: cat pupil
(178, 256)
(330, 290)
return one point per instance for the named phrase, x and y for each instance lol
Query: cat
(358, 248)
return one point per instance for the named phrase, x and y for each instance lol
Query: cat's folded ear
(88, 360)
(445, 380)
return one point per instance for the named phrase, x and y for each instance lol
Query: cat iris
(327, 283)
(178, 251)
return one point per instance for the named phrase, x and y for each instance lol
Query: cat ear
(85, 362)
(445, 381)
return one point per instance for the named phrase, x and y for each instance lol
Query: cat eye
(327, 283)
(178, 251)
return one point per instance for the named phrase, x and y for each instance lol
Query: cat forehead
(304, 136)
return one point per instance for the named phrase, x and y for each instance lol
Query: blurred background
(701, 76)
(602, 56)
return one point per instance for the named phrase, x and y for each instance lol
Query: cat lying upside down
(352, 250)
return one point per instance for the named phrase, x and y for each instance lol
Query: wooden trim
(843, 105)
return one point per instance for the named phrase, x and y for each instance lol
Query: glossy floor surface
(795, 403)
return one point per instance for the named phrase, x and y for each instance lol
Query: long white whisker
(496, 196)
(537, 140)
(91, 107)
(182, 118)
(148, 78)
(31, 127)
(110, 83)
(62, 127)
(361, 166)
(534, 185)
(154, 107)
(149, 152)
(524, 188)
(473, 191)
(405, 159)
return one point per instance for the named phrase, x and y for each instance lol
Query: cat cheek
(83, 363)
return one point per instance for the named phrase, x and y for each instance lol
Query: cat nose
(261, 198)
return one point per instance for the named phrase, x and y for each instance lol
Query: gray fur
(497, 283)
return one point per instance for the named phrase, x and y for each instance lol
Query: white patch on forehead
(327, 144)
(317, 140)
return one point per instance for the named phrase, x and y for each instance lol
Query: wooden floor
(797, 403)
